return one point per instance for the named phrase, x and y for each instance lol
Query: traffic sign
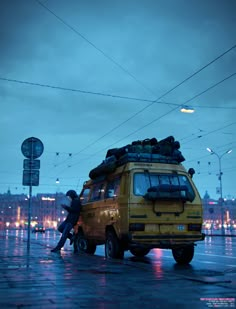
(32, 148)
(31, 164)
(30, 178)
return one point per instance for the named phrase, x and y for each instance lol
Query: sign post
(32, 148)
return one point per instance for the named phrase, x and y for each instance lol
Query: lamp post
(220, 179)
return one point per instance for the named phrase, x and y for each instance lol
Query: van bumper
(164, 241)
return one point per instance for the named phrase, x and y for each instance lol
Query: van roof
(151, 165)
(146, 151)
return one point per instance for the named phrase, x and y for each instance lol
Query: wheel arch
(110, 228)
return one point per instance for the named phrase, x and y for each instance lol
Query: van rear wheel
(139, 252)
(84, 245)
(113, 248)
(183, 255)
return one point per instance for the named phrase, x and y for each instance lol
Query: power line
(160, 117)
(93, 45)
(118, 126)
(167, 92)
(213, 131)
(125, 70)
(79, 90)
(156, 119)
(213, 86)
(209, 88)
(18, 81)
(213, 107)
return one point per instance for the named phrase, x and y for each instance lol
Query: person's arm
(75, 206)
(67, 208)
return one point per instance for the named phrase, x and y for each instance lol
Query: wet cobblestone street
(43, 279)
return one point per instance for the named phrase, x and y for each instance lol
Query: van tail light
(136, 227)
(195, 227)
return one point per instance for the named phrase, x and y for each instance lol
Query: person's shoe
(56, 250)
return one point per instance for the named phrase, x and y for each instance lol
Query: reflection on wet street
(66, 280)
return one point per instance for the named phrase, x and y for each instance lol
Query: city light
(48, 199)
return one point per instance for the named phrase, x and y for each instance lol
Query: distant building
(212, 212)
(45, 209)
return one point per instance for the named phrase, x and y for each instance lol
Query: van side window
(84, 196)
(141, 183)
(97, 192)
(113, 188)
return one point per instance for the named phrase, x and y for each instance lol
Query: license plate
(180, 227)
(151, 227)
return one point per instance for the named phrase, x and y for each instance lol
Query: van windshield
(144, 181)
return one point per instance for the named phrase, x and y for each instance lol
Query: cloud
(127, 48)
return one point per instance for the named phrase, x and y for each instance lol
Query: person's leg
(62, 226)
(65, 229)
(61, 229)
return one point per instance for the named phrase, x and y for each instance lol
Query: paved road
(42, 279)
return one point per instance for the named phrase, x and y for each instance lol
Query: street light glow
(210, 150)
(187, 109)
(213, 152)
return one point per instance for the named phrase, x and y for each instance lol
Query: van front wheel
(113, 249)
(183, 255)
(84, 245)
(139, 252)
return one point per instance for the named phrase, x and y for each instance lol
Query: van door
(111, 207)
(94, 213)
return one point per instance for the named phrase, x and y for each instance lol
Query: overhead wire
(74, 30)
(79, 90)
(94, 46)
(160, 117)
(210, 132)
(18, 81)
(168, 112)
(213, 86)
(125, 70)
(102, 93)
(167, 92)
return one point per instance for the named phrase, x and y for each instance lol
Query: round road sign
(32, 148)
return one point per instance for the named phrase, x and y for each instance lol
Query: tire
(113, 249)
(183, 255)
(83, 245)
(139, 252)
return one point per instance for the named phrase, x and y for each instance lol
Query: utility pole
(221, 191)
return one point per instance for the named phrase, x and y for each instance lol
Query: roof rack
(148, 150)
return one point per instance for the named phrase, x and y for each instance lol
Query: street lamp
(187, 109)
(220, 179)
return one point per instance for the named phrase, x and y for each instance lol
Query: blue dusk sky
(86, 76)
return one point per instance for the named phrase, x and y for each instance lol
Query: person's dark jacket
(73, 211)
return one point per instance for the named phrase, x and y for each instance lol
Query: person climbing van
(72, 217)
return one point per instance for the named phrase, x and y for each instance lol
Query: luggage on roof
(147, 150)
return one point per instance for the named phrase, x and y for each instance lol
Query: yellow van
(140, 201)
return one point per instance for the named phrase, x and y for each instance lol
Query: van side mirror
(191, 172)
